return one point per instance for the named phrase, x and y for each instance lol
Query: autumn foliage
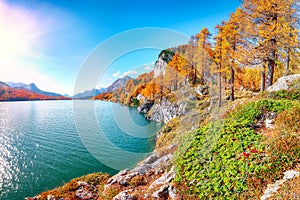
(20, 94)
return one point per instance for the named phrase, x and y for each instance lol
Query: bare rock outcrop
(283, 83)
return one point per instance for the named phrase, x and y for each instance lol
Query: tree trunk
(161, 87)
(231, 84)
(270, 74)
(220, 89)
(287, 64)
(176, 80)
(203, 67)
(195, 74)
(263, 81)
(263, 77)
(272, 56)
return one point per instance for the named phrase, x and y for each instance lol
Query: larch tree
(202, 53)
(232, 31)
(218, 57)
(268, 30)
(191, 56)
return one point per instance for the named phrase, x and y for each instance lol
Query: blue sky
(46, 42)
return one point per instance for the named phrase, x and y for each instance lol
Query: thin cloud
(130, 73)
(116, 74)
(148, 67)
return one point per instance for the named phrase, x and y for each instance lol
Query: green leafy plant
(229, 159)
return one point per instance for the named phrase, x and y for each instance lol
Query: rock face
(161, 63)
(166, 189)
(283, 83)
(165, 192)
(165, 179)
(166, 110)
(145, 106)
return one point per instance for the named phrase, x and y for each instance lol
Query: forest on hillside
(257, 45)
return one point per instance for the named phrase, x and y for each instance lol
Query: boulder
(122, 178)
(273, 188)
(290, 174)
(202, 90)
(283, 83)
(125, 196)
(166, 178)
(50, 197)
(165, 192)
(162, 192)
(84, 194)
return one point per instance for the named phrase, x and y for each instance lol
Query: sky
(47, 41)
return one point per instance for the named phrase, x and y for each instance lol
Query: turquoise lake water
(44, 144)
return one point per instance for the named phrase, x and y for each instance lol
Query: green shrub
(136, 102)
(228, 159)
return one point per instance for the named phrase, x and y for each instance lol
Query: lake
(44, 144)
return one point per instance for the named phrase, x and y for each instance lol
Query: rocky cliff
(165, 110)
(161, 63)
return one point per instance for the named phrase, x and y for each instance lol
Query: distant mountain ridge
(23, 92)
(88, 93)
(32, 87)
(119, 83)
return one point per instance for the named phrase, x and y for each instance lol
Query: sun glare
(16, 32)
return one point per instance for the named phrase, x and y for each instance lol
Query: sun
(17, 31)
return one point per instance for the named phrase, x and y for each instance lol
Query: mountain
(32, 87)
(8, 93)
(119, 83)
(88, 93)
(3, 85)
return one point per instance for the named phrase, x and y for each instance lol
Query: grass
(69, 189)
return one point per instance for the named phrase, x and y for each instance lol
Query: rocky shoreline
(153, 177)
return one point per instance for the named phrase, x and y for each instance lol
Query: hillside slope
(8, 93)
(33, 88)
(238, 150)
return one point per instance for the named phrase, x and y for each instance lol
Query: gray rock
(165, 192)
(283, 83)
(38, 197)
(166, 110)
(151, 159)
(145, 106)
(82, 183)
(160, 65)
(172, 192)
(50, 197)
(273, 188)
(123, 178)
(162, 192)
(290, 174)
(202, 90)
(84, 194)
(157, 165)
(166, 178)
(125, 196)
